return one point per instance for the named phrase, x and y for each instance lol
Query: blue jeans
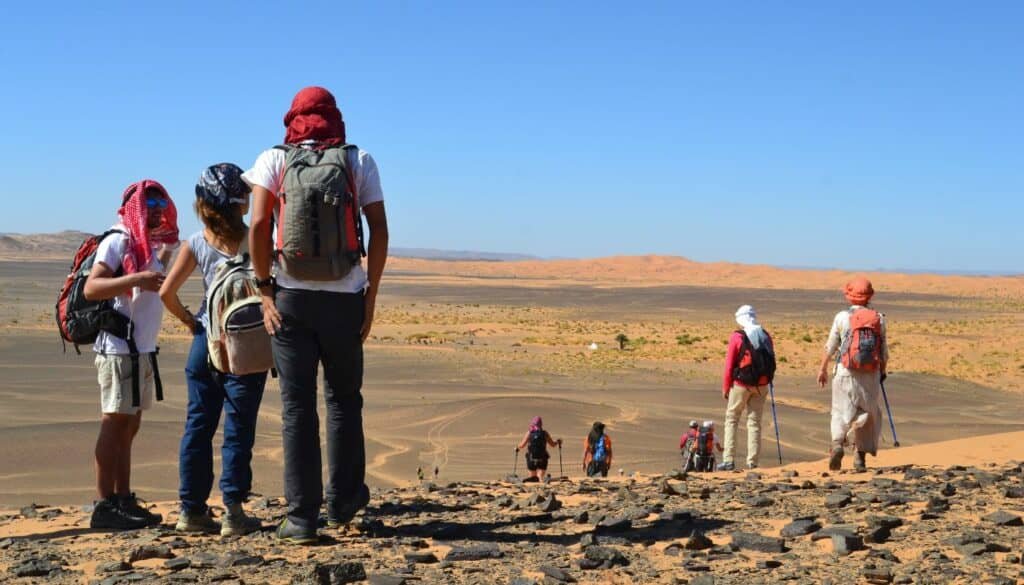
(207, 392)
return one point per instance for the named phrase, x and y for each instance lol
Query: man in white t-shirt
(319, 321)
(128, 270)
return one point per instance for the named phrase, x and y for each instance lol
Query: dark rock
(972, 549)
(947, 489)
(550, 504)
(29, 512)
(424, 558)
(151, 551)
(34, 568)
(886, 521)
(937, 505)
(674, 549)
(845, 544)
(177, 564)
(581, 517)
(913, 473)
(1004, 518)
(753, 541)
(377, 579)
(588, 539)
(837, 500)
(877, 576)
(881, 553)
(474, 553)
(676, 516)
(768, 564)
(614, 525)
(753, 476)
(705, 492)
(204, 560)
(606, 557)
(789, 473)
(522, 581)
(706, 579)
(114, 567)
(239, 559)
(1013, 492)
(698, 541)
(666, 488)
(877, 534)
(807, 485)
(6, 543)
(759, 501)
(334, 574)
(559, 575)
(799, 527)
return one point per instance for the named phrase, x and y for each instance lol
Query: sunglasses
(161, 203)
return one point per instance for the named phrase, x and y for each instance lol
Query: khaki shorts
(114, 373)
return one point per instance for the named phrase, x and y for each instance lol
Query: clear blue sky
(856, 135)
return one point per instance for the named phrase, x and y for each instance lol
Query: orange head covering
(859, 291)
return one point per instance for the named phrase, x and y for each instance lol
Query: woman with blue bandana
(222, 200)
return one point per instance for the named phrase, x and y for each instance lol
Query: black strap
(156, 375)
(134, 355)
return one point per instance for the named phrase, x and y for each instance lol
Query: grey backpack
(237, 340)
(319, 229)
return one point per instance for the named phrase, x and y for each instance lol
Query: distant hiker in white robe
(856, 393)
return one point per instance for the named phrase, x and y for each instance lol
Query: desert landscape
(464, 353)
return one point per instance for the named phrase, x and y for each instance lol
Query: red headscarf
(141, 238)
(859, 291)
(314, 115)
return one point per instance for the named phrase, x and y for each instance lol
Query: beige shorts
(114, 373)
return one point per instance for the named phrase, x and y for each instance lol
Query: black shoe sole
(348, 513)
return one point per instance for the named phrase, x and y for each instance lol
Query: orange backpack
(862, 348)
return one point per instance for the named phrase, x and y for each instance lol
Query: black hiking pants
(317, 328)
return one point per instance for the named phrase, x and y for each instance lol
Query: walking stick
(892, 425)
(775, 419)
(561, 470)
(515, 462)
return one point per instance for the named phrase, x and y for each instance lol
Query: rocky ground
(902, 524)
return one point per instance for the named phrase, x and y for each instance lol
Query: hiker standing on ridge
(319, 302)
(749, 369)
(597, 451)
(129, 270)
(222, 200)
(858, 342)
(536, 442)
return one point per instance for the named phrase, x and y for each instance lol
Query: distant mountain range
(61, 245)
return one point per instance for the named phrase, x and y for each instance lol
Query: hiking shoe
(130, 504)
(726, 466)
(341, 515)
(292, 534)
(835, 459)
(197, 522)
(751, 465)
(236, 523)
(859, 464)
(108, 514)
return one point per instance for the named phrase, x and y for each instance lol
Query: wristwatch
(268, 281)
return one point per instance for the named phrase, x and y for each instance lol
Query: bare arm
(552, 442)
(376, 258)
(102, 284)
(183, 267)
(522, 444)
(260, 250)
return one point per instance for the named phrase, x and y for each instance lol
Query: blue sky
(859, 135)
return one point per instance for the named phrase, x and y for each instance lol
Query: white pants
(856, 410)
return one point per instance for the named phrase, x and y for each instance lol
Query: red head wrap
(314, 115)
(141, 238)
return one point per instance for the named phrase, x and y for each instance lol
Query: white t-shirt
(841, 329)
(144, 308)
(268, 172)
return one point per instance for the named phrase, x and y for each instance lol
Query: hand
(517, 450)
(884, 376)
(822, 378)
(559, 442)
(371, 303)
(191, 323)
(271, 318)
(725, 394)
(149, 280)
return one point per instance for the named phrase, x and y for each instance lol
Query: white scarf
(746, 317)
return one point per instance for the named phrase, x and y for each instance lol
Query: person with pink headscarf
(536, 442)
(128, 271)
(858, 331)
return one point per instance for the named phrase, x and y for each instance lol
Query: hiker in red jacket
(749, 368)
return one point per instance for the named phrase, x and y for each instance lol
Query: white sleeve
(111, 251)
(267, 171)
(368, 180)
(835, 337)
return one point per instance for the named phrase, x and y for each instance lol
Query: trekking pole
(515, 462)
(775, 419)
(561, 470)
(892, 425)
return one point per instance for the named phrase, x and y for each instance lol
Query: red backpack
(80, 320)
(862, 348)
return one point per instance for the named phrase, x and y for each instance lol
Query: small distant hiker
(749, 369)
(597, 451)
(319, 301)
(128, 270)
(688, 443)
(704, 450)
(858, 344)
(536, 442)
(222, 200)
